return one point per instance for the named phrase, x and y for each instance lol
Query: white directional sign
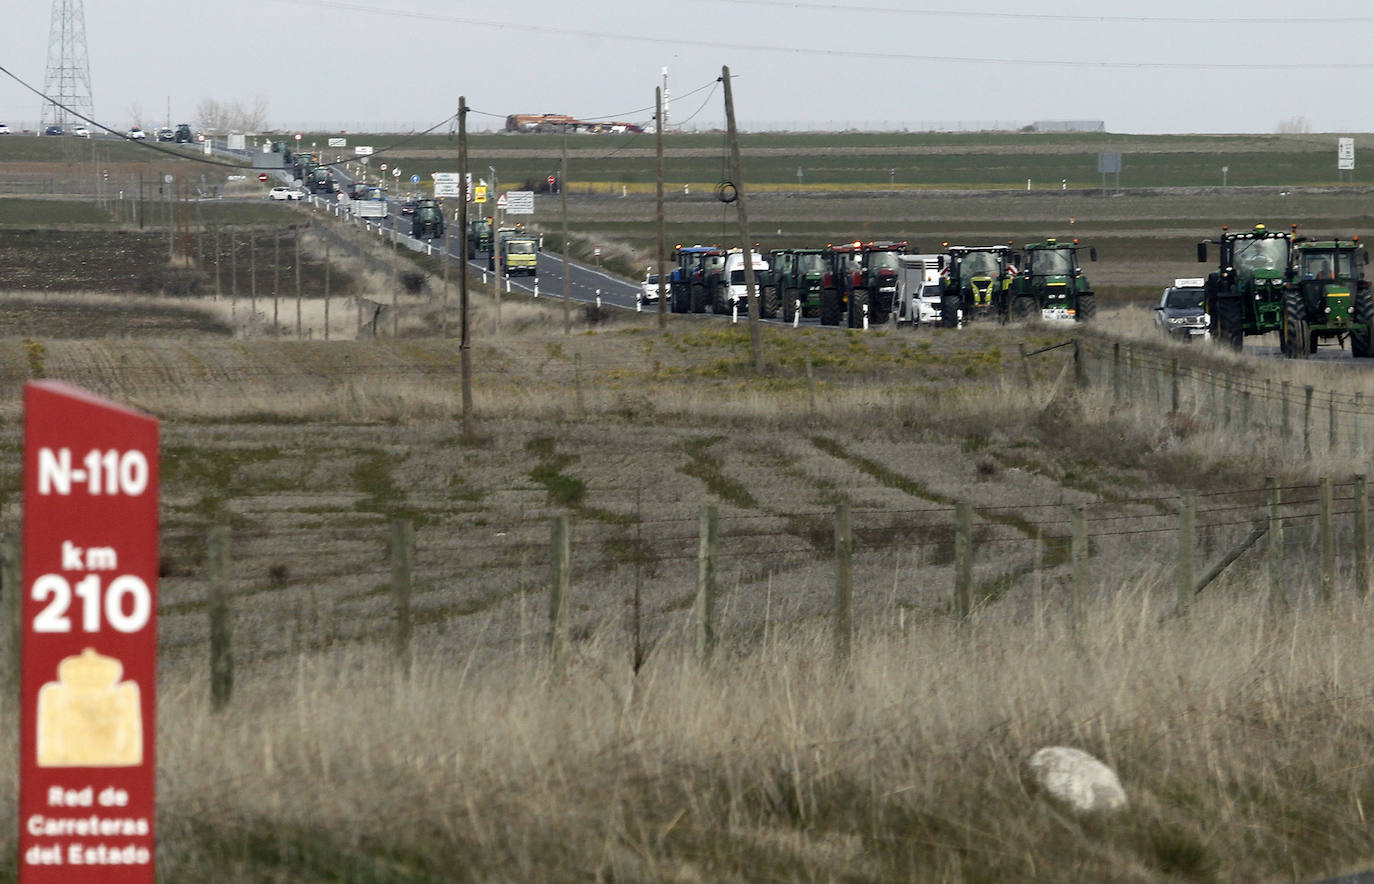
(518, 202)
(1345, 154)
(362, 150)
(338, 142)
(449, 183)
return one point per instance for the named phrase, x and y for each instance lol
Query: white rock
(1074, 777)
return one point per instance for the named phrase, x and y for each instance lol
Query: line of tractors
(1307, 290)
(869, 283)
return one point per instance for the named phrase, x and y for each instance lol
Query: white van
(737, 292)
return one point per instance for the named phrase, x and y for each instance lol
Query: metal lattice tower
(68, 77)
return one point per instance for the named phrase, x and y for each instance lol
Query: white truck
(369, 208)
(918, 288)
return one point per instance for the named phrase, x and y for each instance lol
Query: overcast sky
(347, 64)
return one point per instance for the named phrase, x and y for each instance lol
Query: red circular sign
(262, 176)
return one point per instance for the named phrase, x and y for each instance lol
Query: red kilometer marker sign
(88, 693)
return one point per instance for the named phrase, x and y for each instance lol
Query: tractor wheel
(1230, 320)
(789, 310)
(880, 309)
(830, 307)
(1023, 308)
(1087, 307)
(949, 311)
(679, 302)
(699, 299)
(858, 299)
(1295, 338)
(768, 301)
(1360, 333)
(718, 305)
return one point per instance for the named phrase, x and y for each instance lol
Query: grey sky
(322, 62)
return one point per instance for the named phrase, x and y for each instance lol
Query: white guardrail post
(796, 314)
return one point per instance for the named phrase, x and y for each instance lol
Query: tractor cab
(1328, 298)
(974, 283)
(1051, 282)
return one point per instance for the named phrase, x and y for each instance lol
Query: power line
(813, 53)
(1229, 21)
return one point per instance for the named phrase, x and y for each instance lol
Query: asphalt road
(586, 284)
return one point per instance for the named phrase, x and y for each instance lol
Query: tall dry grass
(1243, 743)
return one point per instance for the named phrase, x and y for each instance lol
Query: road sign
(502, 202)
(168, 178)
(382, 166)
(395, 173)
(552, 181)
(519, 202)
(362, 150)
(479, 193)
(338, 142)
(262, 176)
(414, 179)
(298, 136)
(89, 614)
(1345, 154)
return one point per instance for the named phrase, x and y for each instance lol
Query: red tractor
(861, 283)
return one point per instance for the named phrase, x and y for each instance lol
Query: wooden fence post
(963, 559)
(810, 388)
(1078, 557)
(1130, 376)
(559, 553)
(1331, 423)
(1307, 420)
(12, 595)
(1173, 386)
(1116, 374)
(1283, 403)
(1245, 412)
(1080, 364)
(1361, 537)
(221, 626)
(1355, 424)
(844, 584)
(1328, 543)
(1278, 598)
(1226, 402)
(402, 562)
(708, 531)
(1186, 545)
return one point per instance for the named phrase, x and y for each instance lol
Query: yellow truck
(517, 253)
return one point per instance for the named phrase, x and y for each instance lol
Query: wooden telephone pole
(563, 192)
(464, 354)
(755, 334)
(662, 244)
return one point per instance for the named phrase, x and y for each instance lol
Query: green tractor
(1051, 285)
(479, 236)
(974, 282)
(794, 277)
(1244, 296)
(1328, 297)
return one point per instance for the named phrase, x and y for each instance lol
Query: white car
(648, 289)
(4, 130)
(136, 134)
(81, 132)
(283, 193)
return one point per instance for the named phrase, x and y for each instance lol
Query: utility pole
(464, 358)
(662, 244)
(755, 334)
(563, 192)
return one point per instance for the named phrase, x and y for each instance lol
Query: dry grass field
(1241, 738)
(1241, 733)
